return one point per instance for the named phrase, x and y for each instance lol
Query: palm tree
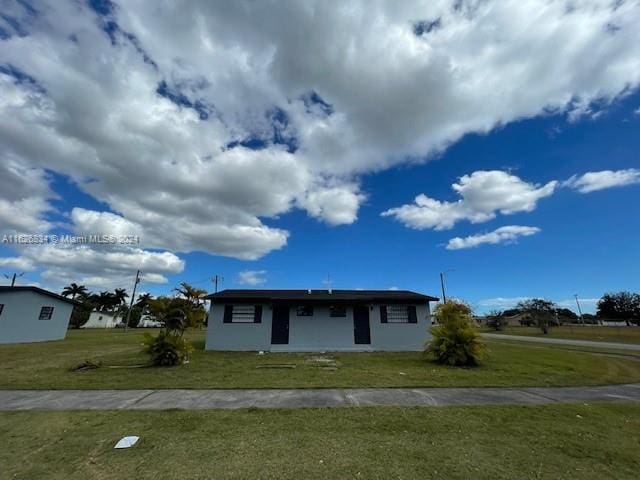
(143, 300)
(120, 295)
(106, 301)
(191, 294)
(74, 290)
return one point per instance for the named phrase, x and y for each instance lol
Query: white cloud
(594, 181)
(17, 263)
(336, 205)
(502, 302)
(508, 234)
(484, 194)
(24, 198)
(92, 111)
(251, 277)
(96, 266)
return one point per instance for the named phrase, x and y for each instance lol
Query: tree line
(188, 301)
(617, 306)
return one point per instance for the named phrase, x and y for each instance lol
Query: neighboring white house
(102, 320)
(31, 314)
(318, 320)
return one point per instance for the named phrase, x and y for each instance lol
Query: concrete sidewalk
(300, 398)
(563, 341)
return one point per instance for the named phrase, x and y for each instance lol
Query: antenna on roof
(328, 283)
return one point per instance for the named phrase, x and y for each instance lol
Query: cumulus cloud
(484, 194)
(251, 277)
(594, 181)
(17, 263)
(508, 234)
(198, 126)
(24, 198)
(94, 266)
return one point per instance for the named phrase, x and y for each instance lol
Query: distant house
(102, 320)
(32, 314)
(318, 320)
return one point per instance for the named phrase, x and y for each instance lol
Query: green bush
(455, 340)
(167, 348)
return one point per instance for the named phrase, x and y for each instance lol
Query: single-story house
(102, 320)
(318, 320)
(32, 314)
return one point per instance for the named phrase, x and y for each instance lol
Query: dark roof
(322, 296)
(42, 291)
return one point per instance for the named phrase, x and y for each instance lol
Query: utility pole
(216, 279)
(444, 297)
(13, 278)
(133, 296)
(579, 309)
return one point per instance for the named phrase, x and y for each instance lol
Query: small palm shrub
(167, 349)
(455, 340)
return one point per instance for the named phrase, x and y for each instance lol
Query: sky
(313, 144)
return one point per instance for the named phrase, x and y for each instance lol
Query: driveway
(300, 398)
(562, 341)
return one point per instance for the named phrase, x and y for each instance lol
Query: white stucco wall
(319, 332)
(19, 318)
(101, 320)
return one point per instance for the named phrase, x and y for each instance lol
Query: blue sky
(242, 151)
(588, 243)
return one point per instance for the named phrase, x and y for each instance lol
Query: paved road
(300, 398)
(562, 341)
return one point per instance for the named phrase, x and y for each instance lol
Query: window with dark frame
(397, 314)
(46, 313)
(337, 311)
(304, 311)
(243, 314)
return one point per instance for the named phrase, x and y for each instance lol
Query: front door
(280, 325)
(361, 330)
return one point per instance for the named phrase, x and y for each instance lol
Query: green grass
(46, 365)
(575, 332)
(545, 442)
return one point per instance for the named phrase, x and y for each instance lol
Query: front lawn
(544, 442)
(594, 333)
(46, 365)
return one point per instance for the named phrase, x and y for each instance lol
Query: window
(398, 314)
(304, 311)
(46, 313)
(1, 308)
(337, 311)
(242, 314)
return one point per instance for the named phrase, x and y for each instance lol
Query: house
(32, 314)
(102, 320)
(318, 320)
